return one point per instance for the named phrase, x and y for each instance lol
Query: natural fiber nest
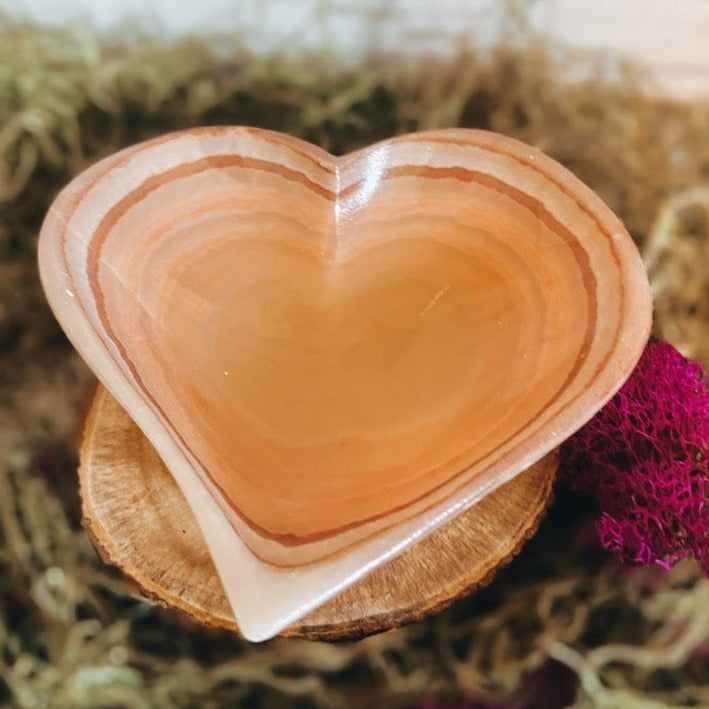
(73, 634)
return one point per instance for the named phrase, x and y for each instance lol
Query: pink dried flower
(549, 686)
(645, 457)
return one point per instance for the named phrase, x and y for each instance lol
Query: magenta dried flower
(645, 457)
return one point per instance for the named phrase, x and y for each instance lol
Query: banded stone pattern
(351, 348)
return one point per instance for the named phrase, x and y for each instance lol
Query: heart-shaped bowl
(334, 355)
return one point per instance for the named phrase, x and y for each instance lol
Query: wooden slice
(139, 520)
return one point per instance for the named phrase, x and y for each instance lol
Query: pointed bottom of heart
(139, 520)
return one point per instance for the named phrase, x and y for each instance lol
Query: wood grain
(154, 538)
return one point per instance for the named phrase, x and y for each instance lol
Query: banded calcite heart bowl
(333, 355)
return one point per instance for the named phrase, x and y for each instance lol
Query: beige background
(668, 38)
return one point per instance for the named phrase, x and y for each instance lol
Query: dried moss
(74, 634)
